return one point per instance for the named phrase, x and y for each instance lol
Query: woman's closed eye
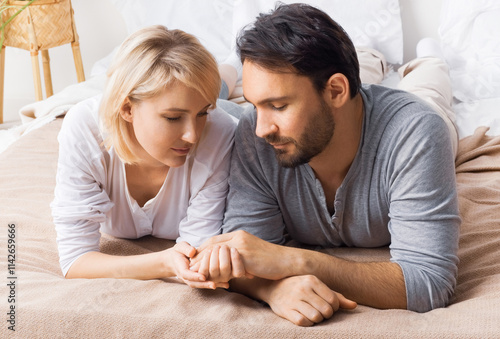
(178, 118)
(173, 119)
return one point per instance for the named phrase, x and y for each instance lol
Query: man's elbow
(437, 295)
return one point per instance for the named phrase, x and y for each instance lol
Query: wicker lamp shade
(42, 25)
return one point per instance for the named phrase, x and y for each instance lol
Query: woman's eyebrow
(182, 110)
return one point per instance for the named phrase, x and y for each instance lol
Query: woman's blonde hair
(146, 62)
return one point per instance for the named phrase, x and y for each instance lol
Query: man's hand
(260, 258)
(305, 300)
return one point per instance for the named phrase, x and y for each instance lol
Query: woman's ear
(126, 110)
(337, 90)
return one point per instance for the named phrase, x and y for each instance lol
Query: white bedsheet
(39, 113)
(471, 115)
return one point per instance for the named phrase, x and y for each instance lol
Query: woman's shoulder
(222, 120)
(81, 126)
(83, 116)
(220, 128)
(217, 139)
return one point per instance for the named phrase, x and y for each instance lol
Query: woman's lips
(181, 151)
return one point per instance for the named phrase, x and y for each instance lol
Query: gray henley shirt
(400, 191)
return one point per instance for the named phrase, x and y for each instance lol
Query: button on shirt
(91, 193)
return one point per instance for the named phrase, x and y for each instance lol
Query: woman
(149, 157)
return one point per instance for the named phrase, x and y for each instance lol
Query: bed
(40, 303)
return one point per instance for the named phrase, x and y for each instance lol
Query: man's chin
(289, 161)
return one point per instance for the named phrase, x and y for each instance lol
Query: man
(329, 162)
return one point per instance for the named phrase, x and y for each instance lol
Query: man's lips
(279, 146)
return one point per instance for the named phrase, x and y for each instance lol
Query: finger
(298, 318)
(324, 307)
(224, 285)
(345, 303)
(210, 285)
(224, 263)
(214, 263)
(327, 301)
(237, 264)
(311, 313)
(190, 275)
(194, 267)
(198, 257)
(186, 249)
(325, 293)
(221, 238)
(181, 267)
(205, 264)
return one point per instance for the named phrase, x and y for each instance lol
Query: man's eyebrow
(268, 100)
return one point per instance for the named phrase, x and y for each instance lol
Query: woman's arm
(81, 204)
(167, 263)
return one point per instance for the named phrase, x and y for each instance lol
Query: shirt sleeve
(252, 205)
(424, 219)
(80, 203)
(209, 180)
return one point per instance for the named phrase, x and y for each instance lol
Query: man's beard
(316, 136)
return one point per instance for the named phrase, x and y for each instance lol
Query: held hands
(180, 256)
(258, 257)
(216, 267)
(221, 264)
(302, 299)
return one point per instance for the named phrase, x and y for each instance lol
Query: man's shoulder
(394, 117)
(392, 101)
(245, 132)
(388, 107)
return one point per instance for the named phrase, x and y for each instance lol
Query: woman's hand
(179, 259)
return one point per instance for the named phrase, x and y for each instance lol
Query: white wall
(100, 28)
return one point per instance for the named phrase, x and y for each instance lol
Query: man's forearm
(376, 284)
(256, 288)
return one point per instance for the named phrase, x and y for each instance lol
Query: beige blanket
(48, 306)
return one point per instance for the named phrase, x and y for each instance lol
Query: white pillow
(471, 46)
(374, 23)
(210, 21)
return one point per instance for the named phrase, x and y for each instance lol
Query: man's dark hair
(301, 39)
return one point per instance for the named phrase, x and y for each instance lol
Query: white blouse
(91, 193)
